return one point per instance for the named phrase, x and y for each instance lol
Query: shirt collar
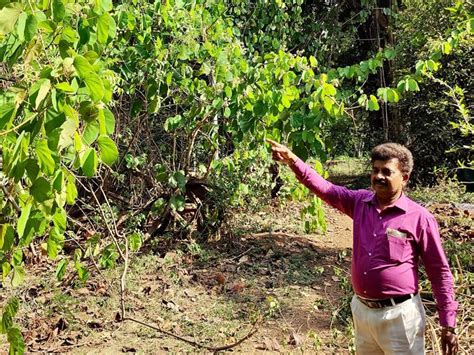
(401, 203)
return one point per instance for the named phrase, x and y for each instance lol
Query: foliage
(188, 90)
(17, 345)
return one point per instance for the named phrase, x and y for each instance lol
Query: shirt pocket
(397, 248)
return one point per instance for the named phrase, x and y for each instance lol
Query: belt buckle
(373, 304)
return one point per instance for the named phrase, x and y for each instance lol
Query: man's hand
(282, 154)
(449, 342)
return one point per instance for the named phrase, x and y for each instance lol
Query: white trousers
(396, 330)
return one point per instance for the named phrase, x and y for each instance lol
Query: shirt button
(374, 234)
(365, 291)
(365, 273)
(370, 254)
(380, 217)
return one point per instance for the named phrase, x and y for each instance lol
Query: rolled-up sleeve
(438, 271)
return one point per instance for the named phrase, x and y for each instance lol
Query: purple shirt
(388, 245)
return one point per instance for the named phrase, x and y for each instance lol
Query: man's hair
(387, 151)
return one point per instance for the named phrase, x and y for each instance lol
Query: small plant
(273, 306)
(316, 340)
(13, 333)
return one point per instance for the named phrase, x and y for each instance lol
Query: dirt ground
(212, 294)
(294, 286)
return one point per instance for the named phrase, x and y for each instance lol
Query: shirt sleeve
(438, 271)
(337, 196)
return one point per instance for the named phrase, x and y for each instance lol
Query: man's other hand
(449, 342)
(281, 153)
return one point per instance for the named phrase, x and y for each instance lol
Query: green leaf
(95, 87)
(108, 150)
(413, 85)
(135, 241)
(102, 6)
(55, 243)
(6, 114)
(91, 132)
(177, 203)
(12, 307)
(8, 16)
(58, 10)
(373, 104)
(58, 181)
(41, 189)
(45, 157)
(7, 237)
(109, 121)
(178, 180)
(15, 338)
(68, 128)
(313, 62)
(44, 86)
(89, 162)
(82, 66)
(21, 224)
(21, 25)
(60, 219)
(71, 190)
(109, 257)
(103, 26)
(18, 275)
(64, 86)
(6, 268)
(86, 72)
(61, 269)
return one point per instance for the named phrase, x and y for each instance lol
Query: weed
(316, 340)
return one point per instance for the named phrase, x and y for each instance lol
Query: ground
(265, 270)
(211, 293)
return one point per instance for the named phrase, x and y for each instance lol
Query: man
(391, 234)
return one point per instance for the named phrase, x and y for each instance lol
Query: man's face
(387, 179)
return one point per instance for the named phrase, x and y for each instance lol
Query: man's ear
(406, 177)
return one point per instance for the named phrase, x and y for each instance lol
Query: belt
(386, 302)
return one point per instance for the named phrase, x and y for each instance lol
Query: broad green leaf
(95, 86)
(6, 114)
(102, 6)
(109, 121)
(68, 128)
(43, 90)
(108, 150)
(313, 62)
(12, 307)
(18, 275)
(64, 86)
(71, 190)
(7, 322)
(41, 189)
(8, 17)
(55, 243)
(45, 157)
(21, 25)
(373, 103)
(61, 269)
(177, 203)
(91, 132)
(135, 241)
(6, 268)
(89, 163)
(7, 237)
(413, 85)
(60, 219)
(15, 338)
(82, 66)
(103, 26)
(58, 10)
(21, 224)
(178, 180)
